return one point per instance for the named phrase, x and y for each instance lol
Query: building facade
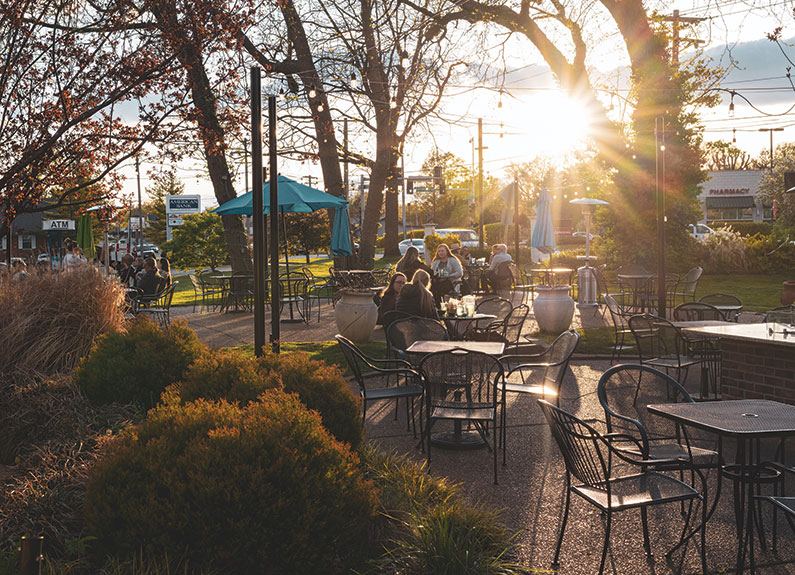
(732, 196)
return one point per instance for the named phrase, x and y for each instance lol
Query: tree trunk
(211, 132)
(391, 215)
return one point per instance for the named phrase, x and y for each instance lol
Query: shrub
(495, 233)
(745, 228)
(236, 378)
(136, 366)
(724, 252)
(264, 487)
(51, 320)
(435, 240)
(321, 387)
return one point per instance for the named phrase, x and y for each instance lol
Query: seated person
(411, 262)
(149, 284)
(164, 269)
(415, 299)
(126, 271)
(464, 255)
(389, 296)
(447, 273)
(498, 272)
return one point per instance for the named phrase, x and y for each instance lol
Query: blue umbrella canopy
(294, 198)
(543, 237)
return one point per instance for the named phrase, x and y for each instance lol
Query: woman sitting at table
(447, 273)
(415, 299)
(498, 271)
(410, 263)
(389, 296)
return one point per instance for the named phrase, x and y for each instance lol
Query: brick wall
(757, 371)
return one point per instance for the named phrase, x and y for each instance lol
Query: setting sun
(554, 123)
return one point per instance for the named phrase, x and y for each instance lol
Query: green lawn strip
(328, 351)
(596, 341)
(758, 292)
(183, 295)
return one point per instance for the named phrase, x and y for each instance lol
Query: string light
(312, 92)
(404, 59)
(354, 81)
(320, 107)
(734, 135)
(731, 106)
(281, 93)
(499, 103)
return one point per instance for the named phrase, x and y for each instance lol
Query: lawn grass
(758, 292)
(328, 351)
(319, 266)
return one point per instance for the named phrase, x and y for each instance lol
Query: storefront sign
(55, 225)
(183, 204)
(729, 191)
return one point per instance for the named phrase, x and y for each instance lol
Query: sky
(531, 117)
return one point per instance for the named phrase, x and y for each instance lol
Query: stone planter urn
(553, 308)
(788, 293)
(356, 315)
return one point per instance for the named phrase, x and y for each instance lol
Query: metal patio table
(453, 321)
(458, 438)
(747, 421)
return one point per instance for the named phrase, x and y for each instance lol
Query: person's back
(498, 259)
(150, 281)
(414, 301)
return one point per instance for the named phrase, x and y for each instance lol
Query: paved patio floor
(531, 487)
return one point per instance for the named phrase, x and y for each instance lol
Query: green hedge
(744, 228)
(136, 366)
(261, 488)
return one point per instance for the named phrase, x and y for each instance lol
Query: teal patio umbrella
(85, 236)
(295, 197)
(543, 237)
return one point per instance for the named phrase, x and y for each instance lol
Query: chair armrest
(394, 360)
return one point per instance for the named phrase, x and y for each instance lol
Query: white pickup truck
(700, 231)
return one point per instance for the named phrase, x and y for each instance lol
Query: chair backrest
(582, 447)
(654, 336)
(461, 379)
(503, 271)
(514, 323)
(355, 358)
(198, 287)
(404, 332)
(688, 284)
(783, 314)
(617, 314)
(697, 311)
(516, 274)
(241, 283)
(721, 299)
(624, 391)
(496, 306)
(392, 316)
(559, 352)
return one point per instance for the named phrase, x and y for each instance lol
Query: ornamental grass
(51, 320)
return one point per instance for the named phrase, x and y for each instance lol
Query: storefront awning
(731, 202)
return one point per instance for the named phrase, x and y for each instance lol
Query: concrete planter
(788, 293)
(553, 308)
(356, 315)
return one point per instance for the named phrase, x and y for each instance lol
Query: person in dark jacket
(411, 262)
(150, 281)
(389, 296)
(415, 297)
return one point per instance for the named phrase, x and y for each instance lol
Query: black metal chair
(781, 314)
(463, 386)
(662, 346)
(157, 306)
(704, 347)
(241, 292)
(496, 306)
(293, 289)
(591, 459)
(730, 305)
(686, 288)
(205, 292)
(621, 331)
(317, 289)
(404, 332)
(366, 369)
(624, 392)
(540, 374)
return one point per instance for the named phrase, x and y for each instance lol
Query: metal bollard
(31, 555)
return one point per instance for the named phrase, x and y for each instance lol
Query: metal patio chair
(404, 332)
(591, 460)
(730, 305)
(621, 331)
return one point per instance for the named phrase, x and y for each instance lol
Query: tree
(308, 232)
(720, 155)
(166, 184)
(67, 68)
(772, 188)
(199, 242)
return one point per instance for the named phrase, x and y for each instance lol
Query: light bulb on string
(404, 60)
(320, 107)
(354, 81)
(281, 93)
(312, 92)
(734, 135)
(731, 106)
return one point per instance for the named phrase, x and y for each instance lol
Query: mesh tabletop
(739, 418)
(489, 347)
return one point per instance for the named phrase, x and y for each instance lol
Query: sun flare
(555, 124)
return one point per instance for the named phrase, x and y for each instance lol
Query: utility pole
(309, 180)
(140, 209)
(480, 182)
(345, 158)
(675, 39)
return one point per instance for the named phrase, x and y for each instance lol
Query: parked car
(466, 237)
(702, 232)
(582, 235)
(416, 242)
(148, 251)
(45, 257)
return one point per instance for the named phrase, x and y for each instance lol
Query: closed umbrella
(85, 236)
(543, 237)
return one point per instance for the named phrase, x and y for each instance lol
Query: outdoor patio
(531, 487)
